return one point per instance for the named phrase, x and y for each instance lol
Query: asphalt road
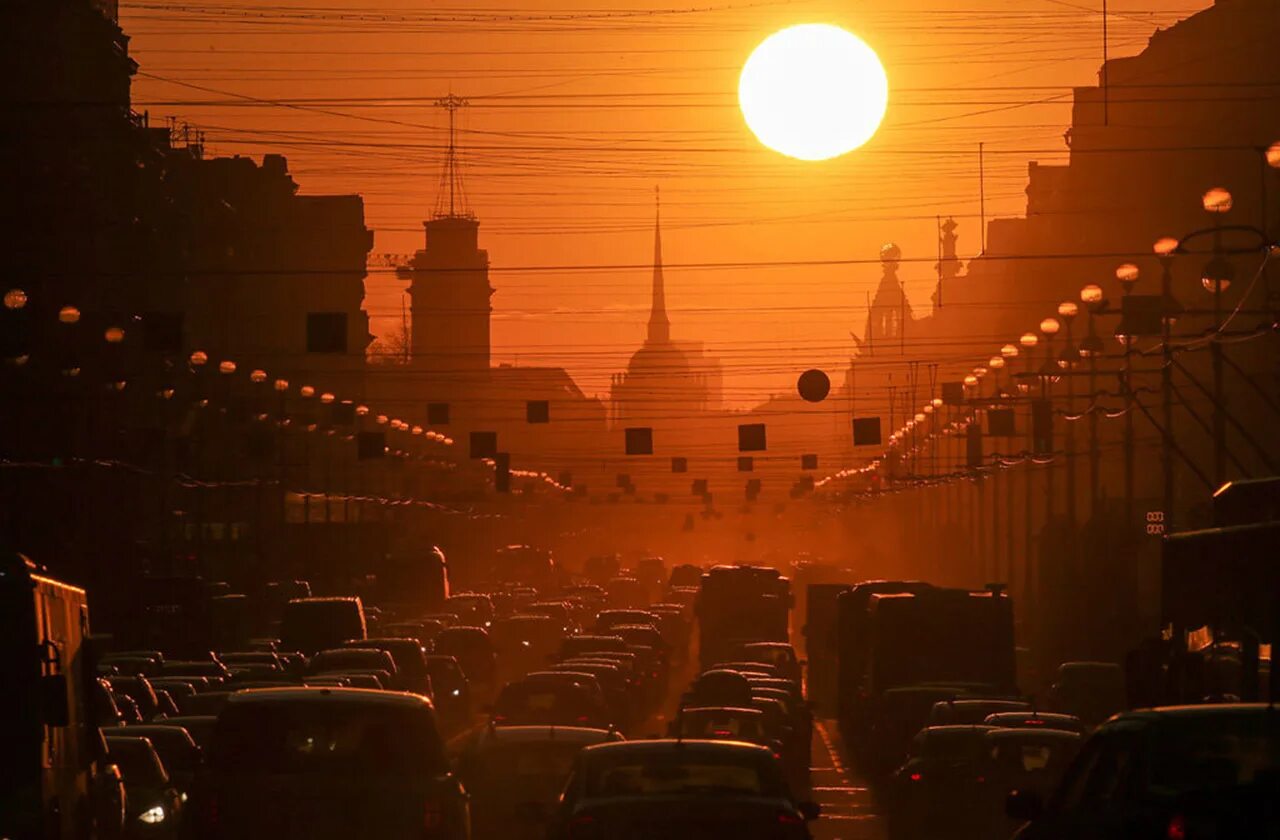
(847, 810)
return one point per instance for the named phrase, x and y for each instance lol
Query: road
(847, 810)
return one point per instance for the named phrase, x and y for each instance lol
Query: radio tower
(451, 175)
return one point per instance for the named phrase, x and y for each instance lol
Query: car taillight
(1177, 829)
(432, 816)
(499, 718)
(915, 777)
(583, 719)
(788, 818)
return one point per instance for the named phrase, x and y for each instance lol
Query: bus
(52, 758)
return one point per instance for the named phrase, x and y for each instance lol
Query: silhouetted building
(665, 380)
(450, 293)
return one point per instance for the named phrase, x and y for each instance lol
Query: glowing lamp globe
(813, 92)
(1216, 200)
(1029, 340)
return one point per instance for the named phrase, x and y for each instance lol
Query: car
(199, 727)
(474, 652)
(153, 807)
(314, 624)
(607, 620)
(972, 711)
(347, 660)
(1167, 772)
(212, 670)
(1037, 720)
(451, 693)
(524, 643)
(1092, 691)
(409, 658)
(723, 723)
(940, 789)
(178, 751)
(548, 702)
(668, 788)
(424, 630)
(781, 655)
(205, 703)
(580, 645)
(332, 763)
(1024, 759)
(505, 768)
(140, 690)
(472, 608)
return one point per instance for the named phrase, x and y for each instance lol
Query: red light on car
(721, 732)
(915, 777)
(1034, 722)
(785, 818)
(499, 718)
(1177, 828)
(583, 718)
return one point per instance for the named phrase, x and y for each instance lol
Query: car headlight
(152, 815)
(457, 692)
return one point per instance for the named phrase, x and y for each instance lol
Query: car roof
(737, 710)
(1201, 710)
(548, 734)
(671, 745)
(370, 696)
(957, 729)
(334, 599)
(1026, 733)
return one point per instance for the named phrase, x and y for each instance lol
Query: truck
(820, 648)
(898, 636)
(738, 604)
(53, 774)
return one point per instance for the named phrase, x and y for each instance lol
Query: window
(327, 332)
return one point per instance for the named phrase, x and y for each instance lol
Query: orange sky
(580, 107)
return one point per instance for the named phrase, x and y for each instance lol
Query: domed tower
(660, 383)
(889, 312)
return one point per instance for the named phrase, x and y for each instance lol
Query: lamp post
(1009, 352)
(1165, 249)
(1216, 278)
(1091, 348)
(1049, 327)
(1028, 341)
(1067, 360)
(1127, 274)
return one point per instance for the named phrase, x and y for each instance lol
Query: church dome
(658, 359)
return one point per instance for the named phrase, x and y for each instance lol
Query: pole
(1219, 395)
(1127, 382)
(1095, 452)
(1166, 391)
(1106, 87)
(1069, 445)
(982, 197)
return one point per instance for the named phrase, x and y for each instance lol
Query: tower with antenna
(449, 290)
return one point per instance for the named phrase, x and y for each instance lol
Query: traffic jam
(618, 700)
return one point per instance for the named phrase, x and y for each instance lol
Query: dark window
(538, 411)
(438, 414)
(327, 332)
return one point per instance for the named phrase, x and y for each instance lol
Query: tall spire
(659, 324)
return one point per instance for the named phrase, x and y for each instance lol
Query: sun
(813, 91)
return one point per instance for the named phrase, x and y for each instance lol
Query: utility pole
(1106, 88)
(982, 197)
(1166, 387)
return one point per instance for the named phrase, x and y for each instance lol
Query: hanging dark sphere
(814, 385)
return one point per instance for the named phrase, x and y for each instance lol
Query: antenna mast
(451, 174)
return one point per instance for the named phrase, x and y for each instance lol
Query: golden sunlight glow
(813, 92)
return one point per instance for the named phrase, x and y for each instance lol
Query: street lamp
(15, 299)
(258, 376)
(113, 335)
(68, 314)
(226, 367)
(306, 392)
